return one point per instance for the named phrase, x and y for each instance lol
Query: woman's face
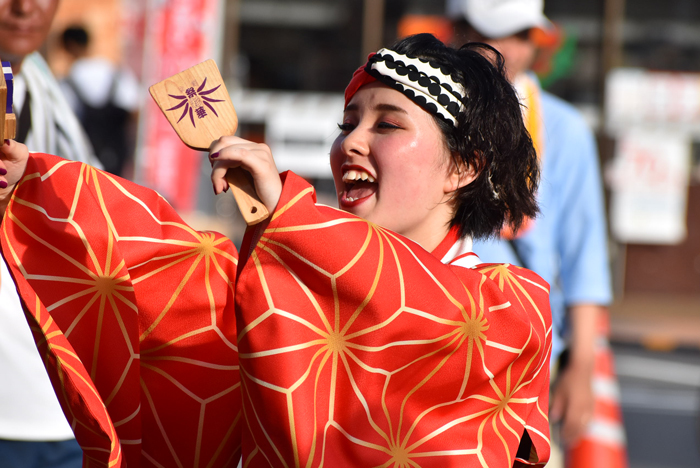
(392, 167)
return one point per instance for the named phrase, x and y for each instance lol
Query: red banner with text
(173, 35)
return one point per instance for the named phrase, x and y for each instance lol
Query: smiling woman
(487, 167)
(386, 137)
(368, 336)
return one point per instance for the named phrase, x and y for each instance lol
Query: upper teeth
(353, 175)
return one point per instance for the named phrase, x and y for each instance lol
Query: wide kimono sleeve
(133, 314)
(358, 349)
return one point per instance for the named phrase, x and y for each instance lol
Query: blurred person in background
(44, 119)
(567, 243)
(105, 99)
(33, 430)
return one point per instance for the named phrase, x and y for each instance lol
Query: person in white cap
(505, 23)
(566, 244)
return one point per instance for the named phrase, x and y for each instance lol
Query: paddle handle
(8, 122)
(243, 190)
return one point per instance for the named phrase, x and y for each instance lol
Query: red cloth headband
(359, 79)
(425, 82)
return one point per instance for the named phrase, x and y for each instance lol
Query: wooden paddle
(198, 106)
(8, 122)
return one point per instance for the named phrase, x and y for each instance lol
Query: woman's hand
(256, 158)
(13, 162)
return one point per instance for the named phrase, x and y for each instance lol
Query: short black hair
(490, 137)
(75, 35)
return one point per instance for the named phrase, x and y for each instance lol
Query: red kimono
(356, 346)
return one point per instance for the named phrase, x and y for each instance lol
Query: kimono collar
(454, 250)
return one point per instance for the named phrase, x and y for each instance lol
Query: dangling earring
(496, 195)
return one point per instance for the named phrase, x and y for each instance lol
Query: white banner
(649, 182)
(641, 97)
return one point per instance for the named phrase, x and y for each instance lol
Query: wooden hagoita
(8, 123)
(199, 108)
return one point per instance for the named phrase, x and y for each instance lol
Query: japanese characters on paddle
(432, 138)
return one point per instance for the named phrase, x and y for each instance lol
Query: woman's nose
(356, 142)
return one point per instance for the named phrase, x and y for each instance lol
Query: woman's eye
(388, 125)
(345, 127)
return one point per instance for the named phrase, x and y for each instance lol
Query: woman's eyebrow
(389, 108)
(378, 107)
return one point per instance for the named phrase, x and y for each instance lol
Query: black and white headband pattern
(425, 83)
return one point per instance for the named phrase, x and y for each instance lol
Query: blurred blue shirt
(567, 245)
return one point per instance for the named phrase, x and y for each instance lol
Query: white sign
(640, 97)
(649, 181)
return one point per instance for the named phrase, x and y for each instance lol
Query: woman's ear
(460, 174)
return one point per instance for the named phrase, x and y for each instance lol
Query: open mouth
(359, 185)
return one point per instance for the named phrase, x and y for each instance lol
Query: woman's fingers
(218, 176)
(255, 158)
(3, 168)
(229, 143)
(13, 162)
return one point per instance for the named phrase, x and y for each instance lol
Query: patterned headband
(424, 82)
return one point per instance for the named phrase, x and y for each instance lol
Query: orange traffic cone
(604, 444)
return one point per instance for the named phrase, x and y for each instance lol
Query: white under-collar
(461, 254)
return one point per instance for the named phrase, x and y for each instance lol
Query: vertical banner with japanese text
(177, 35)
